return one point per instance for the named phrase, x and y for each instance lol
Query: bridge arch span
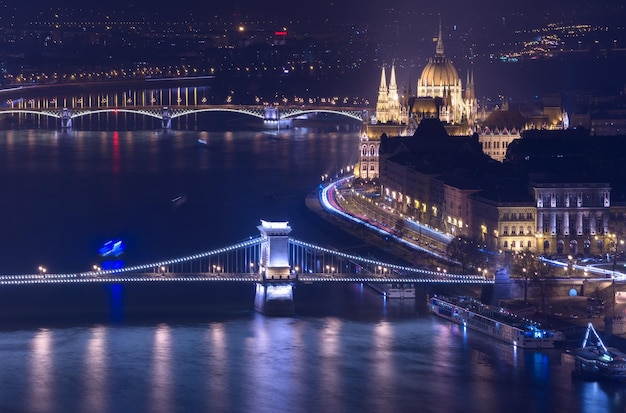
(294, 113)
(50, 113)
(151, 113)
(243, 111)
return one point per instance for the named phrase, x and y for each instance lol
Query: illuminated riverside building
(440, 80)
(555, 218)
(559, 192)
(502, 126)
(504, 220)
(439, 95)
(570, 217)
(429, 176)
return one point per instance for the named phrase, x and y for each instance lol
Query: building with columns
(571, 217)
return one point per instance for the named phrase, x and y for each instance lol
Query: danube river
(66, 193)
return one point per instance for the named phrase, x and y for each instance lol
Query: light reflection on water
(95, 378)
(161, 376)
(41, 386)
(255, 363)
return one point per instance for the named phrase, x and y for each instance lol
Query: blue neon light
(112, 249)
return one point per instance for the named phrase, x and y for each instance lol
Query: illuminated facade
(439, 95)
(441, 81)
(572, 218)
(368, 166)
(503, 125)
(388, 106)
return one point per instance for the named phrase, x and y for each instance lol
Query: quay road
(335, 200)
(338, 199)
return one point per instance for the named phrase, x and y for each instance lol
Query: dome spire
(439, 49)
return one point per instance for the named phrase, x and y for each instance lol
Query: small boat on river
(179, 201)
(595, 361)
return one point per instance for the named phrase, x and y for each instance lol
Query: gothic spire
(439, 49)
(392, 80)
(383, 82)
(393, 87)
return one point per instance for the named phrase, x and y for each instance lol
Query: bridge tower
(166, 118)
(274, 294)
(66, 119)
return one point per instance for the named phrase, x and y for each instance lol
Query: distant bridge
(270, 114)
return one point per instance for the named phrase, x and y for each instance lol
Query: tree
(533, 271)
(466, 252)
(544, 280)
(525, 266)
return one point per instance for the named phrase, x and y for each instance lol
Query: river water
(74, 350)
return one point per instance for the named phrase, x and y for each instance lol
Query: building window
(506, 244)
(529, 244)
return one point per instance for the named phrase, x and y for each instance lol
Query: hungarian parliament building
(542, 181)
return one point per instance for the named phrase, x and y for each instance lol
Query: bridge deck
(231, 278)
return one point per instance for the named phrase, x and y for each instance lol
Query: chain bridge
(273, 262)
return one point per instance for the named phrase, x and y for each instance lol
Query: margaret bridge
(268, 114)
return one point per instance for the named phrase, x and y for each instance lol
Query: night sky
(321, 10)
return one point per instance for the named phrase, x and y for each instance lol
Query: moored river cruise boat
(495, 322)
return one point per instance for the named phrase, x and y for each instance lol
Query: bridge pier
(271, 119)
(274, 295)
(501, 287)
(274, 299)
(166, 118)
(66, 119)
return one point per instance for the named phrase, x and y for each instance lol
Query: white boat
(495, 322)
(202, 141)
(395, 290)
(593, 360)
(400, 291)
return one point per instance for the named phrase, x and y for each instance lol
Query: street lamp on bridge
(42, 271)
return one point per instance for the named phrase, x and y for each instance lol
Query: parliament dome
(439, 72)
